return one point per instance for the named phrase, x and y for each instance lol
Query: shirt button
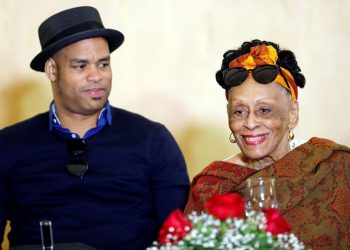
(54, 121)
(74, 136)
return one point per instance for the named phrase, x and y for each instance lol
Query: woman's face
(260, 118)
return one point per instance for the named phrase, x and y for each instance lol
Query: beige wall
(165, 69)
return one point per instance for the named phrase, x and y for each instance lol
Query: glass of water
(260, 193)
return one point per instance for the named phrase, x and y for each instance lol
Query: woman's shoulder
(220, 164)
(223, 169)
(317, 143)
(319, 150)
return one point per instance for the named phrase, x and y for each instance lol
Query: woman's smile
(255, 139)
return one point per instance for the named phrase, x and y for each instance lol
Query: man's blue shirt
(104, 118)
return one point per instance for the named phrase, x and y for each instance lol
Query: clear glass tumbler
(260, 193)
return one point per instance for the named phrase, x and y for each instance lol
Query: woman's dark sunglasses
(262, 74)
(77, 164)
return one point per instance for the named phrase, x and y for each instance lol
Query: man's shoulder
(122, 116)
(28, 126)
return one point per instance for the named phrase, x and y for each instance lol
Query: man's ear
(294, 114)
(50, 69)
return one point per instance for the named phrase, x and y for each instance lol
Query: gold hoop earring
(231, 138)
(291, 135)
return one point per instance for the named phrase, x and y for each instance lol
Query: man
(102, 176)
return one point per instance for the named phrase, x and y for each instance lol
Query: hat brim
(113, 37)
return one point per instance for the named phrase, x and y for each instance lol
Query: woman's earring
(291, 135)
(231, 138)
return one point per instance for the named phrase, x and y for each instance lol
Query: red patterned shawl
(313, 189)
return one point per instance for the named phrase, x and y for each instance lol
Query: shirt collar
(105, 116)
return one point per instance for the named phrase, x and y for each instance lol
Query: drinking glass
(260, 193)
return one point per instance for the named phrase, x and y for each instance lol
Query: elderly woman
(312, 180)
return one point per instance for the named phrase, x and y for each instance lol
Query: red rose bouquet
(224, 225)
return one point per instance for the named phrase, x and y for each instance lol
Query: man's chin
(94, 108)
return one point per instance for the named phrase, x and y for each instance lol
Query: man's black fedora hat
(70, 26)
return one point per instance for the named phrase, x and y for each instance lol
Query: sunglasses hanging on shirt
(77, 164)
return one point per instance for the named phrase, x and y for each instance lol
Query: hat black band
(73, 30)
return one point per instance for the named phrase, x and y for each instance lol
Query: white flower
(234, 233)
(204, 231)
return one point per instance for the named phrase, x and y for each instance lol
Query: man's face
(81, 77)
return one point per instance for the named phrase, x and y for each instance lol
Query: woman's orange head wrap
(262, 55)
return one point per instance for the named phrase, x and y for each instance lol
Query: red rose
(275, 222)
(175, 225)
(225, 206)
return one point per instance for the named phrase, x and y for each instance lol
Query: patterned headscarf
(262, 55)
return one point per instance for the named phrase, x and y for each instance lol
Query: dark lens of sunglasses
(76, 146)
(265, 74)
(77, 167)
(235, 76)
